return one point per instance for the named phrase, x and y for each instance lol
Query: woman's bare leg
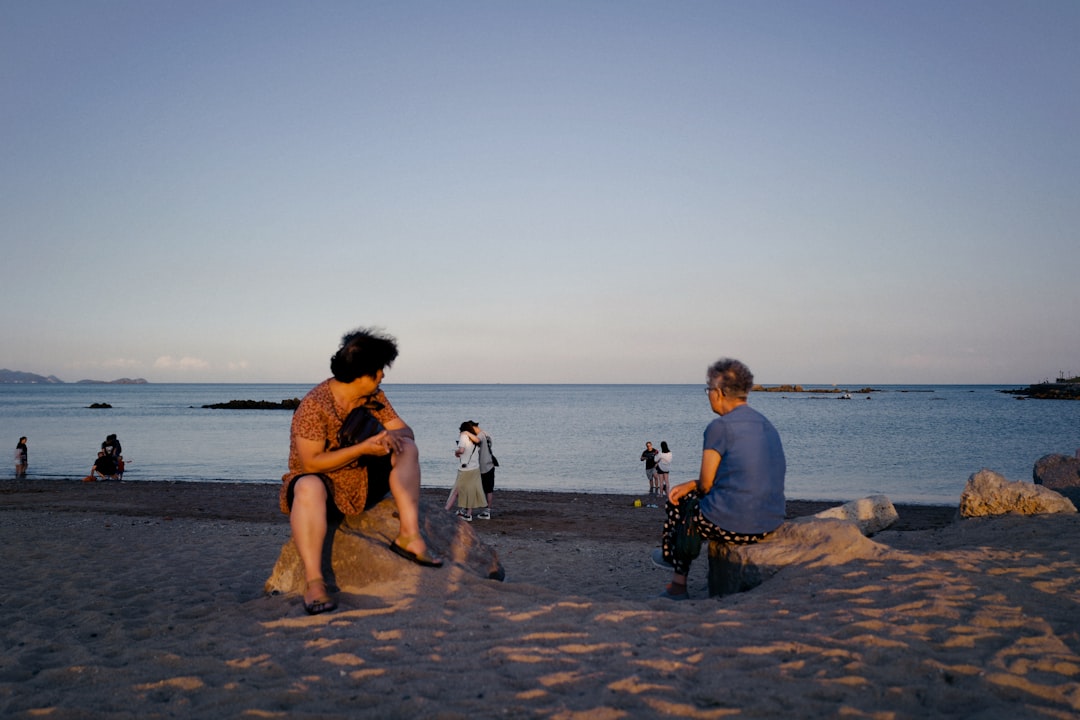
(308, 522)
(405, 487)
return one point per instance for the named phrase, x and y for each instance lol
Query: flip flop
(425, 559)
(320, 605)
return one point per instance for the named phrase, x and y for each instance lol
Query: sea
(914, 443)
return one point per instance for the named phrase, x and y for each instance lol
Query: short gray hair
(730, 377)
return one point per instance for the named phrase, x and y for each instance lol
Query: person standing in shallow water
(22, 458)
(738, 496)
(326, 480)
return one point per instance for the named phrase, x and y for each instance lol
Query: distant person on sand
(663, 468)
(468, 491)
(649, 458)
(327, 480)
(22, 458)
(739, 495)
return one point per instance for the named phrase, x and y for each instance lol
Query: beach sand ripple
(126, 601)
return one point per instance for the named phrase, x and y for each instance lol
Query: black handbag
(687, 536)
(359, 426)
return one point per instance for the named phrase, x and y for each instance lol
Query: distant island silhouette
(119, 381)
(18, 377)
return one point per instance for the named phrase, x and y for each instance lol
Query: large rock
(988, 493)
(1060, 473)
(810, 541)
(356, 553)
(871, 514)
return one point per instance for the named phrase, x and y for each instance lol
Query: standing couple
(475, 484)
(657, 467)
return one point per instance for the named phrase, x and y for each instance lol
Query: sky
(852, 192)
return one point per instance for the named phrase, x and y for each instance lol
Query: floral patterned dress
(317, 418)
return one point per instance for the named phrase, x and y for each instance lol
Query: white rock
(872, 514)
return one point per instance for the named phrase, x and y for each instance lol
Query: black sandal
(319, 605)
(423, 558)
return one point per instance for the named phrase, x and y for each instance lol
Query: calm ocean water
(913, 443)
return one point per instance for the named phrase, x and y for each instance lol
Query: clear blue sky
(833, 192)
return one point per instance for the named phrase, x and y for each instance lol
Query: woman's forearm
(318, 460)
(331, 460)
(710, 463)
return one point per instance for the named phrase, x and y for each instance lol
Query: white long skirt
(470, 489)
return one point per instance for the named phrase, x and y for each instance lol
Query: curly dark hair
(365, 351)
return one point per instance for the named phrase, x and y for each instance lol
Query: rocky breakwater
(1063, 389)
(288, 404)
(801, 389)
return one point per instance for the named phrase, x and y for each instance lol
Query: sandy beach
(126, 600)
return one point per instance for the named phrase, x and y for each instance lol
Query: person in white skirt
(468, 491)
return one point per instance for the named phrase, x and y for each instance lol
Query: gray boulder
(809, 541)
(356, 553)
(1060, 473)
(988, 493)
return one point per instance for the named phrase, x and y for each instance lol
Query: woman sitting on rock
(739, 494)
(327, 480)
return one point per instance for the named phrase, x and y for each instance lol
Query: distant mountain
(18, 377)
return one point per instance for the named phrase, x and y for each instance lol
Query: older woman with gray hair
(738, 496)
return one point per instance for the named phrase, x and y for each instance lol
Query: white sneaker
(484, 514)
(658, 560)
